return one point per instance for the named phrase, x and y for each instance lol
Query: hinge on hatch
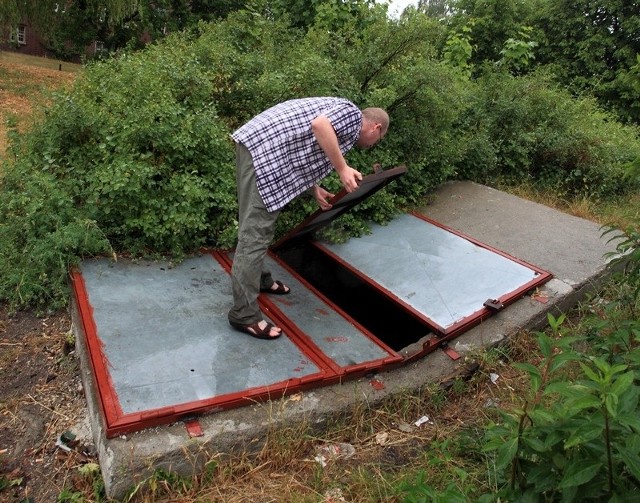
(493, 304)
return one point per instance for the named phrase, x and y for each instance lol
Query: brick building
(25, 40)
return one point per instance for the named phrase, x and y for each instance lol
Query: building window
(99, 46)
(19, 35)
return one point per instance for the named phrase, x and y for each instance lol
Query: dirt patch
(41, 397)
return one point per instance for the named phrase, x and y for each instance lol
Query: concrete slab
(570, 248)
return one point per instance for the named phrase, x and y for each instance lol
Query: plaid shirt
(287, 158)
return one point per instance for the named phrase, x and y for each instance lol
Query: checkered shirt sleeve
(286, 156)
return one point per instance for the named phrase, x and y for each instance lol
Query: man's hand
(350, 178)
(322, 196)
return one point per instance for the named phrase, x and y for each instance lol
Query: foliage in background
(458, 49)
(141, 161)
(492, 23)
(590, 47)
(525, 129)
(68, 28)
(39, 12)
(518, 54)
(436, 9)
(303, 14)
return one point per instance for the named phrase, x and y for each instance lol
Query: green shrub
(525, 128)
(137, 157)
(572, 439)
(41, 235)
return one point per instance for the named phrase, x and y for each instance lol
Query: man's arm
(328, 141)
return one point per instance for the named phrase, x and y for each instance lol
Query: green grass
(48, 63)
(622, 212)
(14, 83)
(25, 83)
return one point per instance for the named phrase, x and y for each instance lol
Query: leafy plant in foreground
(571, 439)
(627, 255)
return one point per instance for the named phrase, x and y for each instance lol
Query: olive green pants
(256, 227)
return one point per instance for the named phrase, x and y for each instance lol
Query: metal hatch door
(445, 280)
(341, 203)
(160, 348)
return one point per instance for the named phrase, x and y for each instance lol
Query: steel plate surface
(437, 273)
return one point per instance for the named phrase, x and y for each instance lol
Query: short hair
(377, 115)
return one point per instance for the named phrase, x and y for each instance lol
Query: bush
(526, 129)
(137, 149)
(576, 435)
(137, 157)
(41, 235)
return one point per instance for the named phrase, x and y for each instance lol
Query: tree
(66, 31)
(208, 10)
(66, 28)
(40, 12)
(435, 8)
(593, 48)
(492, 23)
(302, 13)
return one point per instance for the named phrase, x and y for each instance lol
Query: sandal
(280, 289)
(254, 330)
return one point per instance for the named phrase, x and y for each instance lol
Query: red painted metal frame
(443, 334)
(116, 422)
(108, 402)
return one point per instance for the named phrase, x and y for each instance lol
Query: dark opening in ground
(371, 308)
